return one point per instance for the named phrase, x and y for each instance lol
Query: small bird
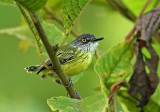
(74, 57)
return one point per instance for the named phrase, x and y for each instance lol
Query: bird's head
(86, 42)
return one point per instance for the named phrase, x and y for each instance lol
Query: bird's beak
(98, 39)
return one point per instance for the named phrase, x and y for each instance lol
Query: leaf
(115, 64)
(72, 10)
(128, 103)
(75, 78)
(95, 103)
(141, 82)
(54, 34)
(55, 5)
(156, 97)
(144, 79)
(118, 104)
(32, 5)
(136, 5)
(148, 24)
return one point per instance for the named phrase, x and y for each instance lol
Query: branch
(52, 55)
(134, 27)
(51, 52)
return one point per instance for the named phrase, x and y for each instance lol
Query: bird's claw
(67, 85)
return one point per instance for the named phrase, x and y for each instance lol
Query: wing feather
(64, 56)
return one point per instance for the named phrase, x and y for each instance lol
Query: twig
(65, 38)
(52, 55)
(134, 27)
(116, 86)
(114, 106)
(53, 16)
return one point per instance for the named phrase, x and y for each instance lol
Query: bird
(74, 57)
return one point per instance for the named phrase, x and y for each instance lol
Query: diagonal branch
(52, 54)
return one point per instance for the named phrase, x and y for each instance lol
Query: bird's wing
(64, 56)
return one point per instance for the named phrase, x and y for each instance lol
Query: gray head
(86, 42)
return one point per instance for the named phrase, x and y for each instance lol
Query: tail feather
(31, 69)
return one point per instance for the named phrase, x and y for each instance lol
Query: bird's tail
(31, 69)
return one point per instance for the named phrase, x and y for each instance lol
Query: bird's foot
(52, 75)
(77, 94)
(67, 85)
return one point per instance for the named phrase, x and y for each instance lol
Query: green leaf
(115, 106)
(72, 10)
(55, 5)
(54, 34)
(115, 64)
(137, 5)
(32, 5)
(129, 104)
(76, 78)
(95, 103)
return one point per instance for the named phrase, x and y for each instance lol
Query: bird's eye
(84, 40)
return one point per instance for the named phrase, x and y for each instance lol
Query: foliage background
(20, 91)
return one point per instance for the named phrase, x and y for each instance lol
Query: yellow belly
(75, 66)
(78, 65)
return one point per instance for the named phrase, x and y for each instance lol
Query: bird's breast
(78, 65)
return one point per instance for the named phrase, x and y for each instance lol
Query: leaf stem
(134, 27)
(65, 38)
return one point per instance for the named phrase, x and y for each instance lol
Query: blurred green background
(22, 92)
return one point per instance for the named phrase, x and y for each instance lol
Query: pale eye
(84, 40)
